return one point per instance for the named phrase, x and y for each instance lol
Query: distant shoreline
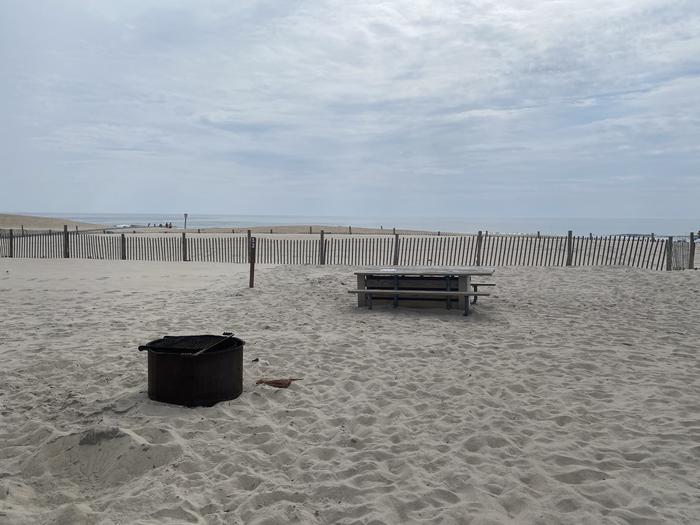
(36, 223)
(343, 225)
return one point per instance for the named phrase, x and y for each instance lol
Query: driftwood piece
(278, 383)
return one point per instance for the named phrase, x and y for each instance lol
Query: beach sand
(33, 222)
(570, 396)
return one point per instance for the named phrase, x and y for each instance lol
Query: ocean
(549, 225)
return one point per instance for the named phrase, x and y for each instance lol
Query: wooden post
(184, 247)
(479, 242)
(248, 244)
(251, 257)
(393, 231)
(691, 252)
(350, 230)
(22, 230)
(310, 230)
(538, 234)
(669, 254)
(569, 248)
(652, 237)
(12, 244)
(396, 249)
(123, 247)
(66, 246)
(322, 250)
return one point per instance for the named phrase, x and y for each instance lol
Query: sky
(482, 108)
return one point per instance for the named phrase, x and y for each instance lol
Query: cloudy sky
(435, 108)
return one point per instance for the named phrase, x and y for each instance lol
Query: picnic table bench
(422, 287)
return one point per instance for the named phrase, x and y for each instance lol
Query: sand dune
(33, 222)
(570, 396)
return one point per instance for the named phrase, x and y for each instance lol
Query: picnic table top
(440, 271)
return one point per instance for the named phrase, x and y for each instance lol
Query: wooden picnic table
(420, 286)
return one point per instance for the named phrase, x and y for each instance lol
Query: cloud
(287, 103)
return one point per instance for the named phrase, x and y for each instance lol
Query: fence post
(66, 242)
(479, 241)
(350, 230)
(691, 252)
(569, 248)
(22, 230)
(322, 250)
(251, 259)
(12, 244)
(396, 250)
(184, 247)
(669, 254)
(122, 245)
(248, 245)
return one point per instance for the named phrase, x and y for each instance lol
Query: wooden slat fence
(362, 250)
(357, 251)
(680, 253)
(92, 246)
(37, 246)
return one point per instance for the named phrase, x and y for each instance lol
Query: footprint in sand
(98, 457)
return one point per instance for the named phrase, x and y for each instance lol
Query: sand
(570, 396)
(33, 222)
(276, 229)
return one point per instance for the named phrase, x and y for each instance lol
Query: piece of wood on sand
(277, 383)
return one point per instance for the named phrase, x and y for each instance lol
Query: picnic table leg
(361, 285)
(447, 286)
(462, 286)
(396, 287)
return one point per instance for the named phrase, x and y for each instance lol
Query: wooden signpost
(251, 257)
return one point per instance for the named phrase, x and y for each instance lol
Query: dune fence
(482, 249)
